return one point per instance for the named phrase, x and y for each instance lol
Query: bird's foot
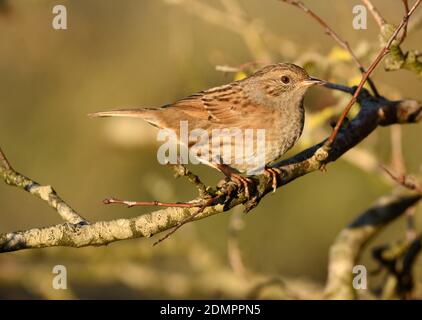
(238, 179)
(273, 173)
(242, 182)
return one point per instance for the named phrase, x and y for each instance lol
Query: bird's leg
(273, 173)
(237, 178)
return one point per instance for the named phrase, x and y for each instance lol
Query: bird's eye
(285, 79)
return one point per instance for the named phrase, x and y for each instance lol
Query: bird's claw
(243, 182)
(273, 173)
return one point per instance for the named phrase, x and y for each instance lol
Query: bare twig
(233, 250)
(181, 171)
(384, 51)
(344, 44)
(406, 11)
(397, 158)
(131, 204)
(208, 203)
(398, 165)
(375, 13)
(406, 181)
(3, 161)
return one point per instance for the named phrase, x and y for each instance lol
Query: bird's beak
(313, 81)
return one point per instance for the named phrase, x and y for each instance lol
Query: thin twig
(406, 10)
(384, 51)
(181, 171)
(131, 204)
(397, 158)
(375, 13)
(233, 249)
(406, 181)
(179, 225)
(344, 44)
(4, 162)
(191, 217)
(398, 165)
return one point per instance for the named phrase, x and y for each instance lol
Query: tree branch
(345, 251)
(384, 51)
(45, 193)
(375, 111)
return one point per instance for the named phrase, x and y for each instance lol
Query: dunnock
(270, 99)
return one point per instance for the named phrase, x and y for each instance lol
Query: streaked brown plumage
(270, 99)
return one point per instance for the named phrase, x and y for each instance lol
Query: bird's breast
(285, 131)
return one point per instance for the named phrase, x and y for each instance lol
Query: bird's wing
(225, 106)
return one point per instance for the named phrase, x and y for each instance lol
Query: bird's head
(283, 80)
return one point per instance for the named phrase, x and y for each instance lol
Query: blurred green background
(149, 53)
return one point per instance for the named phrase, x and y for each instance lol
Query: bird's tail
(127, 113)
(149, 115)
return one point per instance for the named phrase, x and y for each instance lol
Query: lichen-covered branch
(398, 259)
(45, 193)
(345, 251)
(375, 111)
(398, 59)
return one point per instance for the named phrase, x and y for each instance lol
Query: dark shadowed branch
(346, 250)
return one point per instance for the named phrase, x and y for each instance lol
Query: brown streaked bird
(270, 99)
